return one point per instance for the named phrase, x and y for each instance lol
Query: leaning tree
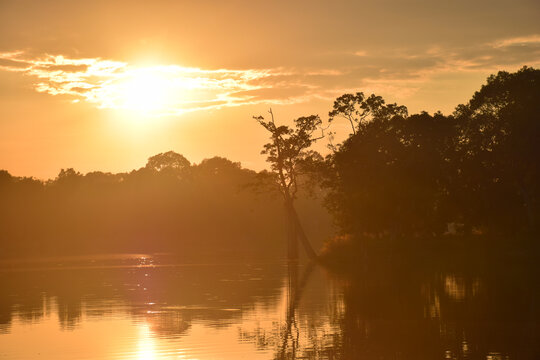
(290, 159)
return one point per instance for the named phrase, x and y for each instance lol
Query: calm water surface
(144, 307)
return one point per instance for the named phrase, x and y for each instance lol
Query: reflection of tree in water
(305, 330)
(408, 314)
(168, 299)
(69, 312)
(405, 312)
(469, 315)
(169, 324)
(290, 332)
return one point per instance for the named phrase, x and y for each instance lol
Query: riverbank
(348, 256)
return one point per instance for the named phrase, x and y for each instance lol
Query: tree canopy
(401, 176)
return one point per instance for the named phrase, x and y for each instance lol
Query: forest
(198, 211)
(414, 181)
(399, 181)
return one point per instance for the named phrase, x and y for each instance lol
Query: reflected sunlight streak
(146, 349)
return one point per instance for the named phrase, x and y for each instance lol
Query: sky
(104, 85)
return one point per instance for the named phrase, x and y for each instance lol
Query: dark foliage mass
(474, 172)
(204, 210)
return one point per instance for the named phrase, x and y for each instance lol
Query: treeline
(197, 211)
(396, 178)
(476, 172)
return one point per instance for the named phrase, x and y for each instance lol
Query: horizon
(193, 163)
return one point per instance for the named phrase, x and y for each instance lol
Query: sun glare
(147, 91)
(146, 346)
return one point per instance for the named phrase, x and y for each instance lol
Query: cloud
(13, 65)
(402, 72)
(521, 40)
(65, 68)
(277, 94)
(173, 89)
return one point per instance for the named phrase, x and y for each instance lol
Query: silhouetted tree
(359, 110)
(367, 195)
(499, 144)
(288, 153)
(169, 163)
(403, 176)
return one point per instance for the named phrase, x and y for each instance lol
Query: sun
(159, 91)
(146, 90)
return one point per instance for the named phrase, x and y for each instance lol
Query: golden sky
(103, 85)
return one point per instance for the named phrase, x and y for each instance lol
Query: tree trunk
(299, 232)
(292, 237)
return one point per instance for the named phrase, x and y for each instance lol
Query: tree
(359, 110)
(411, 176)
(288, 155)
(168, 161)
(500, 128)
(365, 178)
(68, 178)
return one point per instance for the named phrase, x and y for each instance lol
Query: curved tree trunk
(292, 236)
(299, 231)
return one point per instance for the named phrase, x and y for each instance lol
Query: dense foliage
(476, 171)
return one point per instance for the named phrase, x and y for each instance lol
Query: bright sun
(146, 91)
(157, 91)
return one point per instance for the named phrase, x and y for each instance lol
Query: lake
(152, 307)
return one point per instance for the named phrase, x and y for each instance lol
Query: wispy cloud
(521, 40)
(173, 89)
(118, 85)
(402, 72)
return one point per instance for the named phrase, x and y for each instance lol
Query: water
(142, 307)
